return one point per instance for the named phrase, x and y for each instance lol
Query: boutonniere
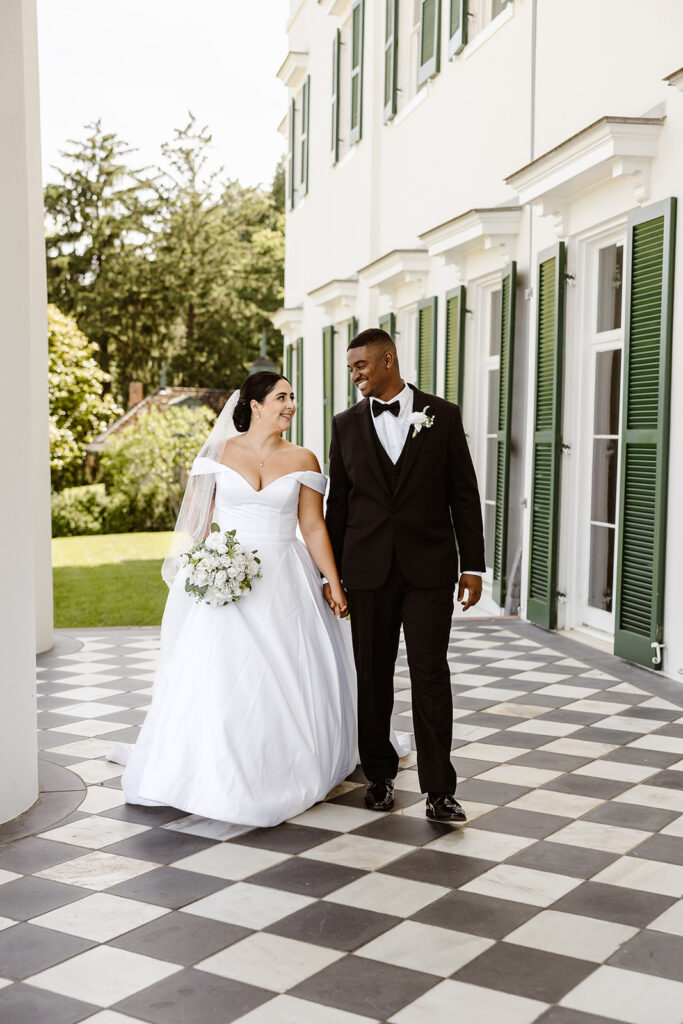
(418, 420)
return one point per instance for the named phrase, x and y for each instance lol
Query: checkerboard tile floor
(559, 902)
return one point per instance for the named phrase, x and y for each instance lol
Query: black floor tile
(24, 898)
(667, 779)
(356, 798)
(194, 997)
(285, 838)
(515, 822)
(636, 755)
(485, 792)
(563, 1015)
(399, 829)
(30, 855)
(26, 949)
(370, 988)
(586, 785)
(614, 903)
(563, 859)
(141, 815)
(334, 925)
(181, 938)
(652, 952)
(651, 819)
(552, 762)
(308, 877)
(476, 914)
(533, 974)
(161, 845)
(168, 887)
(668, 849)
(24, 1004)
(438, 868)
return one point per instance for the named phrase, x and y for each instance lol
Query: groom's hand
(472, 584)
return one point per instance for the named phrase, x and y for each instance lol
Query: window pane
(607, 392)
(492, 409)
(494, 342)
(601, 568)
(605, 469)
(491, 466)
(497, 6)
(455, 17)
(610, 273)
(489, 530)
(428, 25)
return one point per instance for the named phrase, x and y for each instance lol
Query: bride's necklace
(253, 451)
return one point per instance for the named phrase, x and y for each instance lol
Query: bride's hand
(336, 599)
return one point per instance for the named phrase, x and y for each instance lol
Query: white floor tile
(490, 693)
(452, 1001)
(422, 947)
(524, 885)
(546, 727)
(572, 935)
(524, 711)
(571, 692)
(578, 748)
(207, 828)
(628, 724)
(104, 975)
(628, 996)
(653, 796)
(7, 876)
(539, 677)
(599, 707)
(358, 852)
(488, 752)
(593, 835)
(89, 727)
(473, 842)
(89, 748)
(335, 817)
(674, 828)
(99, 870)
(617, 770)
(100, 916)
(87, 693)
(112, 1017)
(648, 875)
(670, 921)
(96, 771)
(669, 744)
(282, 962)
(101, 798)
(252, 906)
(288, 1010)
(547, 801)
(387, 894)
(518, 775)
(230, 861)
(94, 832)
(87, 710)
(6, 922)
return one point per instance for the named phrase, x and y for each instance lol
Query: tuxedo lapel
(368, 442)
(413, 444)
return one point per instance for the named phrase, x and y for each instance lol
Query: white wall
(23, 358)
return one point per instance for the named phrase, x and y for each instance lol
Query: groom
(402, 491)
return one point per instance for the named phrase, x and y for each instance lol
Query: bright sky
(140, 65)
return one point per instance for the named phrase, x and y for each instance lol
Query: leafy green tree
(78, 408)
(145, 466)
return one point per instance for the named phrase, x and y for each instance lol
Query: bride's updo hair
(255, 388)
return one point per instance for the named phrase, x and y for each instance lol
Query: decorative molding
(337, 298)
(288, 321)
(675, 79)
(293, 69)
(395, 270)
(610, 148)
(282, 127)
(340, 8)
(487, 228)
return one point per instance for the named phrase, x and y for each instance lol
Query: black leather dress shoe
(444, 807)
(380, 795)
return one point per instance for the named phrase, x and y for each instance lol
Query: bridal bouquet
(220, 569)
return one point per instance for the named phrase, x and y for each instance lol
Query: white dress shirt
(392, 431)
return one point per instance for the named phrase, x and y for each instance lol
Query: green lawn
(110, 580)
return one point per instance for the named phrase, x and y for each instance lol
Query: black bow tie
(379, 407)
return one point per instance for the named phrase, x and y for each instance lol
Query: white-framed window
(408, 55)
(480, 14)
(491, 389)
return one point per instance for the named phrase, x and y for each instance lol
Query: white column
(23, 493)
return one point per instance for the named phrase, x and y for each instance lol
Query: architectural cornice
(340, 8)
(609, 148)
(487, 228)
(293, 69)
(395, 269)
(675, 79)
(337, 298)
(288, 321)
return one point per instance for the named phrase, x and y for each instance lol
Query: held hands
(471, 584)
(336, 599)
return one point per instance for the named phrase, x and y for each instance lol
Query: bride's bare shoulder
(302, 458)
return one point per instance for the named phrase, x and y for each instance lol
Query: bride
(253, 712)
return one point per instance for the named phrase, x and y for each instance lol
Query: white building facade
(495, 183)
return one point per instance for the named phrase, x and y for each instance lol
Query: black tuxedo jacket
(433, 500)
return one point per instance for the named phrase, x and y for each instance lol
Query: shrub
(78, 510)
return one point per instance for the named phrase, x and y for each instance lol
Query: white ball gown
(253, 714)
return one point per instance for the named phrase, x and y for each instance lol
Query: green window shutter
(388, 323)
(645, 433)
(291, 125)
(299, 390)
(457, 27)
(289, 366)
(507, 348)
(426, 345)
(357, 31)
(455, 344)
(351, 332)
(390, 58)
(305, 126)
(430, 39)
(334, 137)
(547, 441)
(328, 392)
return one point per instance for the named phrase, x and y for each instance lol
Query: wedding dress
(253, 714)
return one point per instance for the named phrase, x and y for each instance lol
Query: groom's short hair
(372, 336)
